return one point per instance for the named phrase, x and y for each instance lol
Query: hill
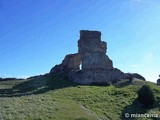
(56, 98)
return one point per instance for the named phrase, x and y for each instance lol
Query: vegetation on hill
(56, 98)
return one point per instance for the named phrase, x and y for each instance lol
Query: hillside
(55, 98)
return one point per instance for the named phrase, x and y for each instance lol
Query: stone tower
(93, 51)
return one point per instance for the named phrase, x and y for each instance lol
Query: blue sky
(35, 35)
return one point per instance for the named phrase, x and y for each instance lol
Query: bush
(146, 96)
(101, 84)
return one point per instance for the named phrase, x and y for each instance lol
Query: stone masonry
(70, 62)
(96, 65)
(93, 51)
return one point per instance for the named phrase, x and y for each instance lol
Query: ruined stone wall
(93, 51)
(96, 65)
(70, 62)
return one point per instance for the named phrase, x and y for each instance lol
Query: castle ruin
(96, 65)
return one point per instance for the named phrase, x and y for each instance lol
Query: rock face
(96, 65)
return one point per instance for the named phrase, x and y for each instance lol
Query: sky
(35, 35)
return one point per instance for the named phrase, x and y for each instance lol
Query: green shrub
(146, 96)
(101, 84)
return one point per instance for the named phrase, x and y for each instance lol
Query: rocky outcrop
(96, 65)
(134, 75)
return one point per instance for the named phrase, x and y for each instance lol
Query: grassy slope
(54, 98)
